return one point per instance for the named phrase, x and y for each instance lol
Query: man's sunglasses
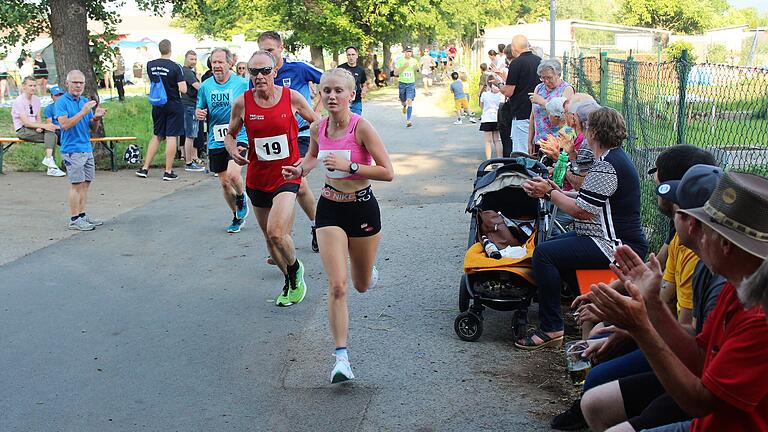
(256, 71)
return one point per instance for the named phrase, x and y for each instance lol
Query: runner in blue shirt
(296, 75)
(214, 103)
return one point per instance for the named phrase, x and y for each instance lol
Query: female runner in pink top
(348, 220)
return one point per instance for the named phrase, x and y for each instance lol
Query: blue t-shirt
(76, 139)
(296, 75)
(458, 90)
(218, 98)
(49, 113)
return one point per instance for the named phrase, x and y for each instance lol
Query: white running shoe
(55, 172)
(342, 371)
(49, 162)
(374, 278)
(458, 122)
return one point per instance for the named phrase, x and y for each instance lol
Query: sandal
(530, 345)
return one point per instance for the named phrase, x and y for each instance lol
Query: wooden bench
(110, 143)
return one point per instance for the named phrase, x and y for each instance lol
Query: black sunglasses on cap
(256, 71)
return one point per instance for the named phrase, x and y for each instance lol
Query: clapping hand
(646, 276)
(99, 112)
(550, 146)
(626, 312)
(618, 343)
(564, 141)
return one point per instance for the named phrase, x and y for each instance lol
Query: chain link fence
(721, 108)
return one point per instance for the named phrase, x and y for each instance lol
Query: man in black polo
(168, 119)
(360, 79)
(191, 123)
(521, 80)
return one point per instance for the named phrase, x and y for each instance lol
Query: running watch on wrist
(353, 167)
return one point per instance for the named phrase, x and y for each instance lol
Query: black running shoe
(170, 176)
(315, 247)
(570, 420)
(142, 173)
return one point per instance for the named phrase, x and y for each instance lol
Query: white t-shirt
(491, 102)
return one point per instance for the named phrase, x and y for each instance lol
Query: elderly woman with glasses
(551, 86)
(242, 69)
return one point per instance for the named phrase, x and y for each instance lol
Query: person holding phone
(348, 216)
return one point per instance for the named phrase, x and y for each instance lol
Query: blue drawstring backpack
(157, 95)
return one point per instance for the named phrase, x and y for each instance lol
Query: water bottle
(490, 248)
(560, 168)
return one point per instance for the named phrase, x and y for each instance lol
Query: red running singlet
(272, 142)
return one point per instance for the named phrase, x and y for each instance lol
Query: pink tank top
(346, 146)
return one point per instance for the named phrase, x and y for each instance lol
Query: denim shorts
(191, 123)
(407, 91)
(80, 166)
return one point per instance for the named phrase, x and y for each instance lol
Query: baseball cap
(407, 48)
(56, 90)
(694, 189)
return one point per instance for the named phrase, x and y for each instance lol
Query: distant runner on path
(267, 113)
(405, 70)
(214, 104)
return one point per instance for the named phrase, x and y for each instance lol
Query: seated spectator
(25, 113)
(720, 377)
(607, 214)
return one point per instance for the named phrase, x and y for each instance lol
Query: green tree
(681, 16)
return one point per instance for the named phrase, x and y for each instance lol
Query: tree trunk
(385, 46)
(69, 32)
(317, 56)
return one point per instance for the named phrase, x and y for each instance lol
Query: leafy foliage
(674, 51)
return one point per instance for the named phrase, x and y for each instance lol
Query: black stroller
(500, 286)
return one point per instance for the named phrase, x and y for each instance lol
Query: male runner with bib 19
(348, 217)
(214, 103)
(267, 112)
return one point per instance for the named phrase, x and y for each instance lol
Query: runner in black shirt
(359, 73)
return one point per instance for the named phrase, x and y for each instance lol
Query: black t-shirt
(206, 75)
(359, 74)
(522, 74)
(706, 290)
(170, 73)
(190, 97)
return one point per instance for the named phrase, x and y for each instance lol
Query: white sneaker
(49, 162)
(374, 278)
(55, 172)
(458, 122)
(472, 120)
(342, 371)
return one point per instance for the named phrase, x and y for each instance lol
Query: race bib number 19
(219, 132)
(271, 148)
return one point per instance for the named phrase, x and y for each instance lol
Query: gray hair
(265, 54)
(551, 64)
(555, 107)
(754, 290)
(226, 52)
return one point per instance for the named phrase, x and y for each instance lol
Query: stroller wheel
(463, 295)
(468, 326)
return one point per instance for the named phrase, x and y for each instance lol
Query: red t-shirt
(736, 366)
(272, 142)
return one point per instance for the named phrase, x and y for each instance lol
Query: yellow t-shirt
(679, 271)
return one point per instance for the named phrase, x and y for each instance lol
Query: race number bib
(407, 74)
(271, 148)
(219, 132)
(343, 154)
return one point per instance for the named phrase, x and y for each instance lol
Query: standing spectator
(242, 69)
(4, 90)
(25, 113)
(361, 80)
(27, 68)
(209, 73)
(495, 61)
(191, 123)
(489, 103)
(551, 86)
(521, 80)
(118, 74)
(109, 79)
(427, 65)
(168, 119)
(41, 73)
(377, 73)
(50, 110)
(74, 113)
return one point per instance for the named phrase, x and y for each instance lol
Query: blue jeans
(632, 363)
(555, 260)
(356, 107)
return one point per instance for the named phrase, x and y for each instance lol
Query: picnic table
(109, 143)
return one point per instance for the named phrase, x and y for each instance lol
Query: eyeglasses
(241, 68)
(30, 110)
(263, 71)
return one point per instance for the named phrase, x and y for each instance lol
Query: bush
(717, 53)
(674, 51)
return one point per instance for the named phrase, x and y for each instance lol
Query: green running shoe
(282, 300)
(298, 287)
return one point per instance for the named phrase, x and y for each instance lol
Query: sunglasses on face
(263, 71)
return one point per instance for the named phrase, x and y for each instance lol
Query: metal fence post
(603, 78)
(580, 72)
(628, 98)
(683, 68)
(565, 65)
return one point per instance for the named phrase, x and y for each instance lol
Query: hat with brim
(738, 210)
